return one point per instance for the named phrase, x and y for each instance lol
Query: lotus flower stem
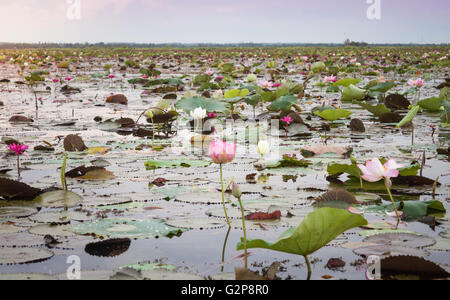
(223, 197)
(387, 183)
(63, 172)
(308, 264)
(225, 248)
(245, 232)
(18, 165)
(412, 134)
(153, 133)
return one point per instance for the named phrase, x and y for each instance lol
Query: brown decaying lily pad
(108, 248)
(357, 125)
(14, 190)
(411, 265)
(258, 216)
(390, 118)
(117, 99)
(74, 143)
(396, 102)
(337, 195)
(414, 181)
(20, 119)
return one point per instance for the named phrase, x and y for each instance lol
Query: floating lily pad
(14, 190)
(401, 239)
(367, 233)
(63, 217)
(175, 163)
(7, 228)
(388, 250)
(21, 240)
(202, 198)
(127, 228)
(53, 230)
(157, 274)
(26, 276)
(108, 248)
(142, 267)
(392, 267)
(58, 199)
(90, 275)
(12, 256)
(16, 212)
(196, 223)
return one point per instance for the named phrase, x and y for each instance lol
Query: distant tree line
(349, 43)
(197, 45)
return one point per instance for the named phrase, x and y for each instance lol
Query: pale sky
(195, 21)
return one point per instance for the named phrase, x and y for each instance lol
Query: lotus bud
(236, 191)
(150, 114)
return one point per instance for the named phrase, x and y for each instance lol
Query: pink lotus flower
(276, 85)
(56, 80)
(144, 76)
(111, 76)
(222, 152)
(288, 120)
(416, 83)
(19, 149)
(328, 79)
(209, 72)
(265, 84)
(68, 78)
(213, 115)
(374, 171)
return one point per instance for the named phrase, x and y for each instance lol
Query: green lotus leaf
(347, 82)
(210, 105)
(334, 114)
(352, 92)
(284, 103)
(409, 117)
(316, 231)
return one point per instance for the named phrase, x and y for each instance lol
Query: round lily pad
(202, 198)
(26, 276)
(106, 201)
(53, 230)
(388, 250)
(108, 248)
(12, 256)
(355, 245)
(224, 277)
(150, 266)
(161, 274)
(16, 212)
(63, 217)
(59, 199)
(7, 228)
(401, 239)
(90, 275)
(21, 240)
(196, 223)
(126, 228)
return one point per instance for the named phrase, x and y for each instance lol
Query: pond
(146, 201)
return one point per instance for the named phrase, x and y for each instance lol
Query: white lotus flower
(263, 148)
(199, 113)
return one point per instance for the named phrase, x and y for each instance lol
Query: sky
(227, 21)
